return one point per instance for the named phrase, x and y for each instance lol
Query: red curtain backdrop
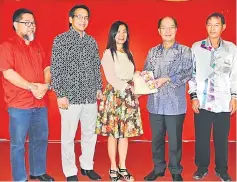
(141, 16)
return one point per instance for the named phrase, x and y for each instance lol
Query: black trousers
(173, 124)
(221, 126)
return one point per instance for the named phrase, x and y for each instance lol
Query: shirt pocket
(226, 66)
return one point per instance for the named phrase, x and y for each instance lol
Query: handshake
(38, 89)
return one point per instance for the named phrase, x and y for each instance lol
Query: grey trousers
(87, 114)
(173, 124)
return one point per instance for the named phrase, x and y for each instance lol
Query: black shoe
(152, 176)
(224, 176)
(72, 178)
(91, 174)
(44, 177)
(199, 174)
(177, 177)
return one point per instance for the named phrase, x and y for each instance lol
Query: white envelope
(141, 87)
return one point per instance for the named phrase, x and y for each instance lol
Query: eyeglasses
(79, 17)
(28, 23)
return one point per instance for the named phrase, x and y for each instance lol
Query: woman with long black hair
(119, 114)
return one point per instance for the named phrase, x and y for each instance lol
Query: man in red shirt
(26, 77)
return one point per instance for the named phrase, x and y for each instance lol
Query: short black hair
(160, 21)
(74, 8)
(17, 15)
(216, 15)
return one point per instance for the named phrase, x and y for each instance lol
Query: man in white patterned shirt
(213, 94)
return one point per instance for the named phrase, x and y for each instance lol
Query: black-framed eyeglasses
(86, 18)
(28, 23)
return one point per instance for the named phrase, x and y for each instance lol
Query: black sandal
(114, 178)
(128, 176)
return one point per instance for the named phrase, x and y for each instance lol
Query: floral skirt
(119, 114)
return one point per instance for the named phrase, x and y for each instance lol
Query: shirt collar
(72, 30)
(206, 44)
(174, 46)
(22, 41)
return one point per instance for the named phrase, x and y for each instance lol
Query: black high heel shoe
(125, 174)
(114, 178)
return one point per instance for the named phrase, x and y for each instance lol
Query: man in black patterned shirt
(76, 80)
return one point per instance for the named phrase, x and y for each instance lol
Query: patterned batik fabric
(75, 67)
(119, 114)
(175, 63)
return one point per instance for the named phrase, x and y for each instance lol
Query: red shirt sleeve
(46, 60)
(6, 57)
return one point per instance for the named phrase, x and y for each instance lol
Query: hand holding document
(144, 83)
